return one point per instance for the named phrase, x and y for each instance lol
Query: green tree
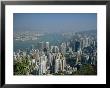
(22, 66)
(86, 69)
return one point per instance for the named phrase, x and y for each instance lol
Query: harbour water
(53, 39)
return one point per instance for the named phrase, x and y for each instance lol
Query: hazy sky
(54, 22)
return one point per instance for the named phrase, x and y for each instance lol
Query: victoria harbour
(55, 44)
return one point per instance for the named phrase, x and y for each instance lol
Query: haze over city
(54, 22)
(55, 43)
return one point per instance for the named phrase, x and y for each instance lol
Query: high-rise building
(53, 63)
(54, 49)
(57, 62)
(63, 63)
(86, 42)
(82, 43)
(57, 65)
(63, 48)
(41, 45)
(50, 58)
(47, 45)
(42, 65)
(77, 46)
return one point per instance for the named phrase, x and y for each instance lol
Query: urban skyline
(57, 45)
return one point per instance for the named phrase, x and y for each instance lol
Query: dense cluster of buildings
(26, 36)
(65, 58)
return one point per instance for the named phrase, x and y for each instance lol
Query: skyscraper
(42, 65)
(63, 48)
(87, 42)
(47, 45)
(77, 46)
(54, 49)
(41, 45)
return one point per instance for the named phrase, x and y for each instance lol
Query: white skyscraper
(63, 48)
(87, 42)
(47, 45)
(63, 63)
(42, 65)
(57, 63)
(50, 58)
